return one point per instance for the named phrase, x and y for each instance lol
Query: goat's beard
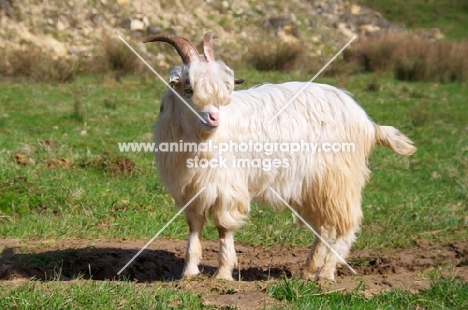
(196, 131)
(204, 132)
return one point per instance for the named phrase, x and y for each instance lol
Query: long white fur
(324, 187)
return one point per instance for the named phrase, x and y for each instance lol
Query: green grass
(94, 295)
(443, 294)
(448, 15)
(422, 197)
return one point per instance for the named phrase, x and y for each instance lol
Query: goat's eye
(188, 92)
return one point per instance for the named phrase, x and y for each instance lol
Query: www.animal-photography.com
(233, 154)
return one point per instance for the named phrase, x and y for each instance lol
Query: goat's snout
(212, 119)
(214, 116)
(210, 115)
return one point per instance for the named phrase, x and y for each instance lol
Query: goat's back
(318, 114)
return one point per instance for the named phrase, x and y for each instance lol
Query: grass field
(62, 177)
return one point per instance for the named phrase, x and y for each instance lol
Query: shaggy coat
(324, 187)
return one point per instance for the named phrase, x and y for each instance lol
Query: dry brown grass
(375, 53)
(412, 58)
(274, 55)
(37, 66)
(116, 56)
(432, 61)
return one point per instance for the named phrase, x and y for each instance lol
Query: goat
(325, 188)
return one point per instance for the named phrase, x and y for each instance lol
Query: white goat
(324, 187)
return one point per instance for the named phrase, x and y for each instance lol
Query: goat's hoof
(326, 278)
(190, 273)
(306, 275)
(189, 276)
(224, 276)
(326, 274)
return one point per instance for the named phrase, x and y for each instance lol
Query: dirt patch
(22, 160)
(163, 261)
(53, 163)
(114, 165)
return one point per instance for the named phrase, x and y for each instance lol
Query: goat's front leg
(227, 254)
(193, 254)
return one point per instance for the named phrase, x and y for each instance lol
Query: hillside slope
(76, 28)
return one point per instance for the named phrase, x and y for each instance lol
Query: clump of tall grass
(412, 58)
(432, 61)
(33, 63)
(118, 57)
(37, 66)
(376, 53)
(274, 55)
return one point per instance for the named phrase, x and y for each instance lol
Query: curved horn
(187, 51)
(208, 46)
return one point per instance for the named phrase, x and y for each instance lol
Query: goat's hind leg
(193, 254)
(350, 220)
(341, 246)
(321, 262)
(317, 258)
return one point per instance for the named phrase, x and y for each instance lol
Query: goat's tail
(392, 138)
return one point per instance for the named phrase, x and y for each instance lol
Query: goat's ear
(174, 80)
(238, 82)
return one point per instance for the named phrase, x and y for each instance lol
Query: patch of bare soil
(114, 165)
(22, 160)
(162, 261)
(53, 163)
